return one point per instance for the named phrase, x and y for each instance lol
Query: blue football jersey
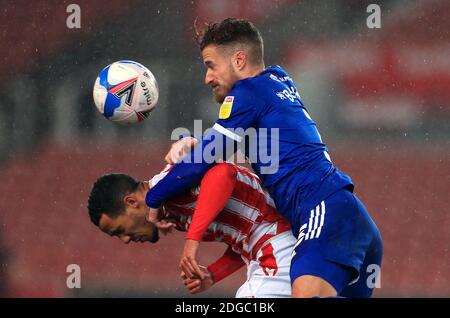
(266, 114)
(292, 161)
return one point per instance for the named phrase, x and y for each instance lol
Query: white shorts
(268, 276)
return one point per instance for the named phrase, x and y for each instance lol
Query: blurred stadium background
(381, 99)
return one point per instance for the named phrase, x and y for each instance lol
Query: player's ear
(239, 60)
(131, 200)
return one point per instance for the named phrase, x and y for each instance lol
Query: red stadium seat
(47, 226)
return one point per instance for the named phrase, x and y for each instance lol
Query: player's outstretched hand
(195, 284)
(188, 262)
(164, 226)
(179, 149)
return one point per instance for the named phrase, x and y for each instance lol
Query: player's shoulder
(272, 75)
(256, 86)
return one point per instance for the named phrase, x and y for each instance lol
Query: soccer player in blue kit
(339, 245)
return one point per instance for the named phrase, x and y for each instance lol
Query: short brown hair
(233, 31)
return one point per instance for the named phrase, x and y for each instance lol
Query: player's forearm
(188, 173)
(215, 190)
(226, 265)
(181, 177)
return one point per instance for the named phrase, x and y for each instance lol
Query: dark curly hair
(232, 31)
(107, 194)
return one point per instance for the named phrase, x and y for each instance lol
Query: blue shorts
(339, 242)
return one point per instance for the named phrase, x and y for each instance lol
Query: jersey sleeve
(239, 111)
(188, 173)
(225, 265)
(216, 188)
(179, 179)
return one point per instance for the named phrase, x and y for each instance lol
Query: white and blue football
(125, 92)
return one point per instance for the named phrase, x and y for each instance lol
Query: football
(125, 92)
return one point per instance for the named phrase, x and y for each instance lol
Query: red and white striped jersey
(248, 220)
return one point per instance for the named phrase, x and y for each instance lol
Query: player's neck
(252, 71)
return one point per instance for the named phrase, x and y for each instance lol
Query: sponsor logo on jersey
(225, 109)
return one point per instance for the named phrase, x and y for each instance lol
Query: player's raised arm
(216, 188)
(237, 113)
(188, 173)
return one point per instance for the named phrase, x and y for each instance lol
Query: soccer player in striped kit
(230, 206)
